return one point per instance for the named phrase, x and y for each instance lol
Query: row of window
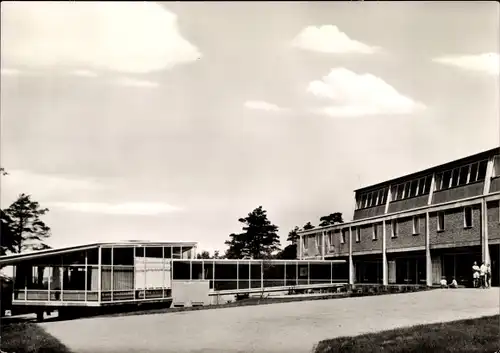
(412, 188)
(374, 198)
(463, 175)
(458, 176)
(467, 219)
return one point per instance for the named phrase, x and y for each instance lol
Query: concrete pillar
(428, 259)
(352, 272)
(389, 198)
(385, 274)
(489, 175)
(323, 251)
(99, 273)
(299, 248)
(485, 249)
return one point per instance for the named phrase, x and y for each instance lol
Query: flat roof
(431, 169)
(12, 258)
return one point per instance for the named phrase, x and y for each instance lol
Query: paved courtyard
(284, 328)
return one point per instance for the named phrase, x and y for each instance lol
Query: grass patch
(27, 337)
(467, 336)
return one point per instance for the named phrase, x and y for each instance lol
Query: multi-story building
(419, 228)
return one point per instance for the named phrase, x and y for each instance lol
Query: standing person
(488, 275)
(482, 275)
(475, 275)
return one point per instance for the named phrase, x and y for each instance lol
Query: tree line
(259, 238)
(22, 227)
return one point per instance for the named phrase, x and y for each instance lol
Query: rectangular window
(454, 178)
(496, 166)
(462, 178)
(445, 182)
(407, 191)
(369, 203)
(394, 193)
(481, 173)
(421, 185)
(438, 181)
(413, 188)
(318, 243)
(467, 217)
(427, 185)
(473, 173)
(358, 235)
(343, 236)
(401, 191)
(440, 221)
(384, 195)
(363, 201)
(394, 229)
(375, 230)
(360, 202)
(416, 225)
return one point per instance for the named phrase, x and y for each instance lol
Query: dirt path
(287, 327)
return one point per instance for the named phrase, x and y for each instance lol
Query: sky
(170, 121)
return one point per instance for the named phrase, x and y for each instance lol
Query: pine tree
(259, 239)
(28, 230)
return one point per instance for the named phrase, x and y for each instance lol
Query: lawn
(27, 337)
(468, 336)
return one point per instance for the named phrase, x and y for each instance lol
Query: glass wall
(245, 274)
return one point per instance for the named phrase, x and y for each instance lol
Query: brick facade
(405, 237)
(454, 231)
(366, 242)
(494, 220)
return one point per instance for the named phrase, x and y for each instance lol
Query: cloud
(132, 82)
(354, 94)
(486, 62)
(261, 105)
(128, 208)
(84, 73)
(130, 37)
(329, 39)
(10, 72)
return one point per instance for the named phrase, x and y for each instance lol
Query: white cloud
(128, 208)
(487, 62)
(261, 105)
(10, 72)
(132, 82)
(84, 73)
(354, 94)
(131, 37)
(329, 39)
